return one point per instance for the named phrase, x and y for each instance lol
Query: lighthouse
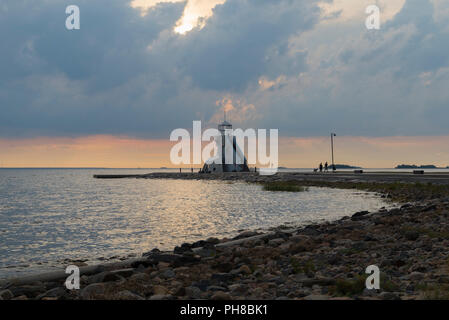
(228, 149)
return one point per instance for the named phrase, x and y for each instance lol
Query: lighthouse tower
(227, 146)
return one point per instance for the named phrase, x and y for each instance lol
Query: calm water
(48, 215)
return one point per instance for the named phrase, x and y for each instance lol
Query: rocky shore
(324, 261)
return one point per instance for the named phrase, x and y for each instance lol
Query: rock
(6, 294)
(125, 273)
(22, 297)
(140, 277)
(160, 297)
(213, 240)
(31, 291)
(429, 208)
(334, 259)
(193, 292)
(359, 215)
(276, 242)
(220, 295)
(245, 269)
(316, 297)
(238, 288)
(310, 231)
(168, 274)
(183, 248)
(360, 245)
(180, 292)
(105, 276)
(155, 250)
(405, 206)
(93, 291)
(199, 244)
(127, 295)
(206, 252)
(160, 290)
(298, 247)
(389, 296)
(246, 234)
(318, 282)
(223, 267)
(60, 293)
(369, 292)
(187, 257)
(202, 284)
(215, 288)
(411, 235)
(222, 277)
(415, 276)
(162, 257)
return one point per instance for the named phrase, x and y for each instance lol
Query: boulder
(159, 290)
(6, 294)
(193, 292)
(31, 291)
(93, 291)
(127, 295)
(220, 295)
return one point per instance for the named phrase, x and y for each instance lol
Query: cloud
(195, 14)
(304, 67)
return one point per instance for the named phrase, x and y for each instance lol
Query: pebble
(220, 295)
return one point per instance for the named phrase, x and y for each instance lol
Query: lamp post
(332, 149)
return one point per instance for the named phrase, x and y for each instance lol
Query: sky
(110, 94)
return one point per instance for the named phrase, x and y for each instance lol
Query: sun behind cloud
(195, 14)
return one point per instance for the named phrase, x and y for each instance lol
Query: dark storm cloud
(128, 74)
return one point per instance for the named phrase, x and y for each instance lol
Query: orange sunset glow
(125, 152)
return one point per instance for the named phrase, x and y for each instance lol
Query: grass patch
(355, 286)
(289, 186)
(396, 191)
(306, 267)
(349, 287)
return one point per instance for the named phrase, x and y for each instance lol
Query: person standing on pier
(326, 167)
(321, 167)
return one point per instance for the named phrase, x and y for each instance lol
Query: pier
(406, 177)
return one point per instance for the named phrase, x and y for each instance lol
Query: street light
(332, 149)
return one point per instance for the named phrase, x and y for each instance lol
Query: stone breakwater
(323, 261)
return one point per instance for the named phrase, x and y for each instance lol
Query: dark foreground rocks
(326, 261)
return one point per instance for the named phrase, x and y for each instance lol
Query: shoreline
(318, 261)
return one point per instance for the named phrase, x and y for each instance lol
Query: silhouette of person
(321, 167)
(326, 167)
